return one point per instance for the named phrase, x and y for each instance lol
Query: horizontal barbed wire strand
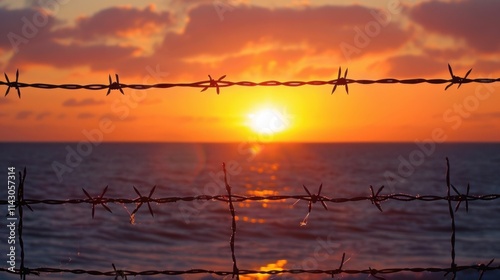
(220, 83)
(372, 271)
(242, 198)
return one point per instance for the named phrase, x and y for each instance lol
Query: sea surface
(187, 235)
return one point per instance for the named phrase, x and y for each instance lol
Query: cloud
(115, 118)
(490, 116)
(266, 41)
(72, 102)
(42, 115)
(411, 66)
(260, 40)
(316, 72)
(22, 115)
(118, 22)
(22, 27)
(55, 54)
(476, 22)
(321, 28)
(85, 115)
(490, 67)
(4, 101)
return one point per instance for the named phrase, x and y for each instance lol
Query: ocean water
(195, 234)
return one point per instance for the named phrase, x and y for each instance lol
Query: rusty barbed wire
(375, 198)
(241, 198)
(480, 268)
(220, 83)
(452, 216)
(233, 224)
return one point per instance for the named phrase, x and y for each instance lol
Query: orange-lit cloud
(85, 115)
(266, 40)
(41, 116)
(22, 115)
(72, 102)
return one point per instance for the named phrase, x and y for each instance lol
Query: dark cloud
(72, 102)
(22, 115)
(85, 115)
(490, 67)
(115, 118)
(5, 101)
(490, 116)
(42, 115)
(22, 27)
(476, 22)
(55, 54)
(411, 66)
(117, 22)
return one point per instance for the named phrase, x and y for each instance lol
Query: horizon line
(253, 142)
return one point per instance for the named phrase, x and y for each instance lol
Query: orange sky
(184, 41)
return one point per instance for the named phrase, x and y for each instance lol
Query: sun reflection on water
(278, 265)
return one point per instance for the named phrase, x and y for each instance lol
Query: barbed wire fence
(221, 83)
(375, 197)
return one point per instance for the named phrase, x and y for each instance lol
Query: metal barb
(339, 270)
(456, 79)
(341, 81)
(20, 194)
(373, 273)
(12, 84)
(119, 273)
(483, 267)
(114, 85)
(27, 271)
(461, 198)
(143, 199)
(313, 198)
(98, 200)
(374, 197)
(214, 83)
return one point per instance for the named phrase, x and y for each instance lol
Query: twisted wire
(221, 83)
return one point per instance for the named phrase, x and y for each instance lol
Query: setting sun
(268, 121)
